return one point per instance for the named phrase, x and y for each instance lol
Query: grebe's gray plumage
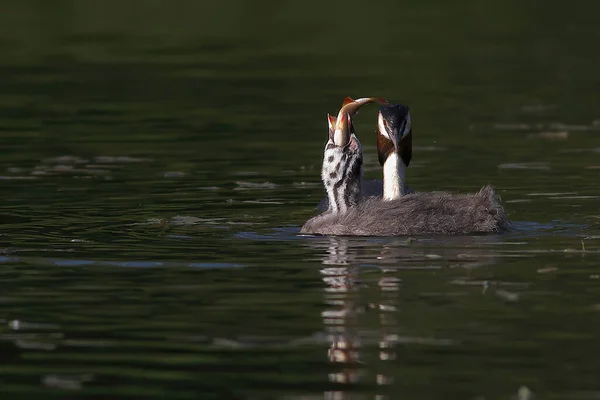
(398, 212)
(420, 213)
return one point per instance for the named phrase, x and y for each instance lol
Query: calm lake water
(158, 160)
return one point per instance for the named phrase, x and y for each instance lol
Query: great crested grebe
(397, 212)
(394, 148)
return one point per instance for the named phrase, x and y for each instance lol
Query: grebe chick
(398, 213)
(342, 165)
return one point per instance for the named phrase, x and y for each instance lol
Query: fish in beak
(340, 128)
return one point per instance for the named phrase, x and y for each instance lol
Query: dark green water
(157, 160)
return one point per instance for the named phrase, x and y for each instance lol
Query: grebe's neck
(343, 182)
(344, 194)
(394, 172)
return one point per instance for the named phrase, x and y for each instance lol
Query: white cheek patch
(381, 126)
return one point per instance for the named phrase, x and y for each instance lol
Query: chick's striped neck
(342, 177)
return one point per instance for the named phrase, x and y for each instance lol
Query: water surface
(155, 173)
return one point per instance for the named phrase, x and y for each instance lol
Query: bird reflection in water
(342, 318)
(354, 298)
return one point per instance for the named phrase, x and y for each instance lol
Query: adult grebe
(394, 148)
(396, 213)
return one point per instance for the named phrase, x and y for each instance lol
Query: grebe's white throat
(394, 148)
(394, 172)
